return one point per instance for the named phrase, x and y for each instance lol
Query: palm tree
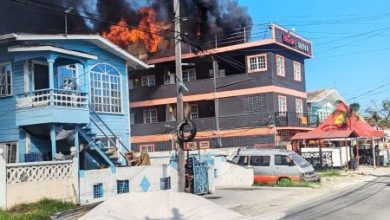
(353, 108)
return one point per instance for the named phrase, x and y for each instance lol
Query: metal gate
(201, 178)
(315, 160)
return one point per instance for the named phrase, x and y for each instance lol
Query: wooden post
(357, 154)
(320, 152)
(373, 152)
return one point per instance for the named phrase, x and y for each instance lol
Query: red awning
(338, 125)
(324, 135)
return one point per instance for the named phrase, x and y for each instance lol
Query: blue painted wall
(8, 129)
(119, 123)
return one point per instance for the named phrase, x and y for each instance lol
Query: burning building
(142, 27)
(243, 95)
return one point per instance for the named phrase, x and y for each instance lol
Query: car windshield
(299, 160)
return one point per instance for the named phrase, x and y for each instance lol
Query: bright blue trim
(113, 170)
(82, 173)
(53, 141)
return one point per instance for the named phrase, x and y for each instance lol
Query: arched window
(106, 89)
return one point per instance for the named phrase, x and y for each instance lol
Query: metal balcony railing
(52, 97)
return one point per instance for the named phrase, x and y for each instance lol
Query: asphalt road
(369, 200)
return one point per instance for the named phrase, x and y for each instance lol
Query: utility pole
(216, 100)
(67, 11)
(179, 77)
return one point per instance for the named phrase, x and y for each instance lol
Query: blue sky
(351, 43)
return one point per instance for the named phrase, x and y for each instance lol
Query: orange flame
(148, 31)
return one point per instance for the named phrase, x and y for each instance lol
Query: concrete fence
(332, 156)
(30, 182)
(99, 185)
(62, 180)
(231, 175)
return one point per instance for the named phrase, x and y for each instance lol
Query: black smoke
(202, 19)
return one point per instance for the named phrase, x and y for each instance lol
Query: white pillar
(3, 182)
(76, 180)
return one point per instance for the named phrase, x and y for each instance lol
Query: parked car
(272, 165)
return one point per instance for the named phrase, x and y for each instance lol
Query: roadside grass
(36, 211)
(329, 173)
(289, 183)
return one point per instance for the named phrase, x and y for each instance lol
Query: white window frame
(194, 111)
(115, 139)
(280, 66)
(6, 84)
(103, 78)
(282, 108)
(322, 115)
(256, 67)
(189, 75)
(147, 148)
(297, 71)
(75, 76)
(5, 146)
(147, 116)
(148, 80)
(299, 106)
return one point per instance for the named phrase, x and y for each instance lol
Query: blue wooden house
(61, 94)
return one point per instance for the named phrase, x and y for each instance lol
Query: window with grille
(299, 106)
(146, 148)
(122, 186)
(98, 191)
(254, 104)
(194, 112)
(189, 75)
(5, 80)
(280, 69)
(257, 63)
(297, 71)
(165, 183)
(322, 115)
(150, 116)
(106, 89)
(282, 103)
(109, 142)
(148, 80)
(10, 151)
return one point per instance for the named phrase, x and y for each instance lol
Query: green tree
(379, 116)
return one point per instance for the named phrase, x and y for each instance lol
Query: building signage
(191, 145)
(204, 144)
(288, 40)
(292, 40)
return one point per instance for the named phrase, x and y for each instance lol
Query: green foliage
(329, 173)
(379, 116)
(285, 182)
(36, 211)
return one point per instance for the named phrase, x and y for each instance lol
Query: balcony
(52, 106)
(231, 82)
(280, 119)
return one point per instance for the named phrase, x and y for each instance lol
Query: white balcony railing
(52, 97)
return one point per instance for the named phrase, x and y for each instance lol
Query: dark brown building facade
(258, 97)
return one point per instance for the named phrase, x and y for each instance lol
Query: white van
(272, 165)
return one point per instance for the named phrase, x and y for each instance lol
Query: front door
(41, 76)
